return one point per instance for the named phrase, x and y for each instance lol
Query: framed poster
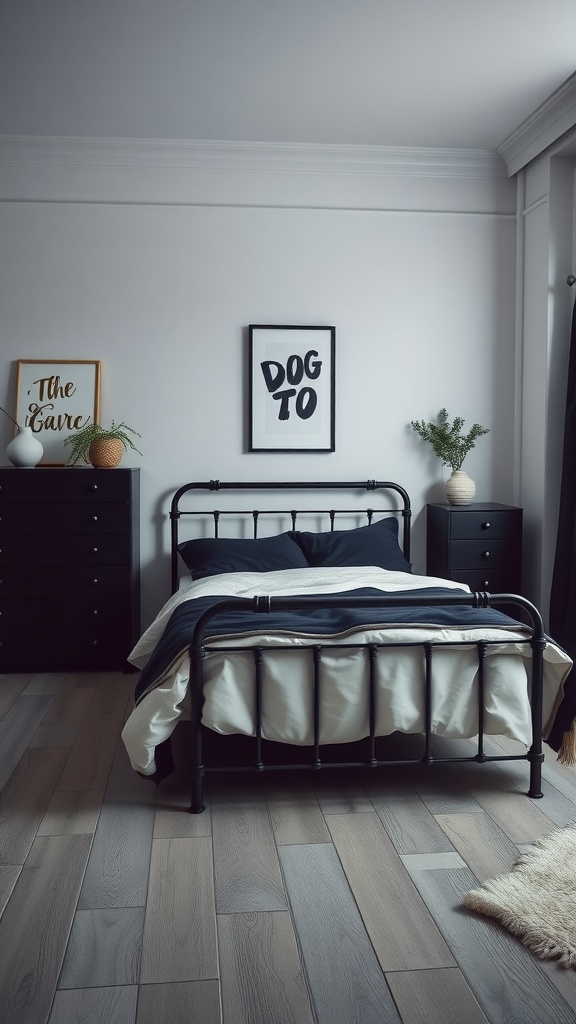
(292, 388)
(55, 398)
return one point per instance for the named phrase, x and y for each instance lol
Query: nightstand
(478, 544)
(69, 568)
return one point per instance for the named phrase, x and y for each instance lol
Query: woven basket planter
(106, 452)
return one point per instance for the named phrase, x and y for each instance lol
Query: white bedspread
(287, 700)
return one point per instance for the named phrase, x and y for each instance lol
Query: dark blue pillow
(376, 544)
(209, 556)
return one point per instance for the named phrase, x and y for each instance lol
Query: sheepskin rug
(536, 900)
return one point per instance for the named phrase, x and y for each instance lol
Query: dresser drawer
(61, 611)
(71, 580)
(82, 645)
(75, 549)
(471, 525)
(58, 517)
(69, 483)
(476, 554)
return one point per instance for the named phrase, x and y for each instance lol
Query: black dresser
(478, 544)
(69, 568)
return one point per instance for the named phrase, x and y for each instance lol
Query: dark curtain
(563, 594)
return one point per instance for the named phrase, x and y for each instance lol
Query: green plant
(447, 440)
(81, 441)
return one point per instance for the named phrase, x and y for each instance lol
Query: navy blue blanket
(324, 620)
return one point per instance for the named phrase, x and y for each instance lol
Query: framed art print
(292, 388)
(56, 398)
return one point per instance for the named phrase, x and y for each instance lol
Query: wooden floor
(333, 898)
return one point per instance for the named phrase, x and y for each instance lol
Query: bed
(308, 632)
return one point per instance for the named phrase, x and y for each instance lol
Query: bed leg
(536, 760)
(197, 791)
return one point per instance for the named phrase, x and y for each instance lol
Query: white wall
(154, 259)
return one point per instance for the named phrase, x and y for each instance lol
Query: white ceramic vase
(25, 450)
(459, 488)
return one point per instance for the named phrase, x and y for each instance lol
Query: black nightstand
(478, 544)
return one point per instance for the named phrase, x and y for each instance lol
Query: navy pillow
(209, 556)
(376, 544)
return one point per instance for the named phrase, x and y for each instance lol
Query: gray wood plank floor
(328, 898)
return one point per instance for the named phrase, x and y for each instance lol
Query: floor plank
(401, 930)
(485, 848)
(435, 997)
(246, 868)
(180, 927)
(95, 1006)
(343, 973)
(262, 978)
(104, 948)
(24, 800)
(185, 1002)
(35, 926)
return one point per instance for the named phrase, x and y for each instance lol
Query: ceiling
(440, 73)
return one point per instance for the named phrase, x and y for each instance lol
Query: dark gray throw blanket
(324, 620)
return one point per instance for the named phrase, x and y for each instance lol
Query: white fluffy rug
(536, 901)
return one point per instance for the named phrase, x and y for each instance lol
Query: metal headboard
(176, 512)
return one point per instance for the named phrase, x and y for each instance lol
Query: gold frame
(58, 407)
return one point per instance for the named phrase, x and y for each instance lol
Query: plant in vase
(24, 450)
(104, 449)
(451, 443)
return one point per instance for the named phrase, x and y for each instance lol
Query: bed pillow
(376, 544)
(209, 556)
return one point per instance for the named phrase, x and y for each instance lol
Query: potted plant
(451, 443)
(104, 449)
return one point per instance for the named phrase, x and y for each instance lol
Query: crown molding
(251, 156)
(549, 121)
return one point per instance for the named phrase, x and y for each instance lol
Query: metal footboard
(197, 651)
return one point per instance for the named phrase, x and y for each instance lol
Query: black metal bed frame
(199, 645)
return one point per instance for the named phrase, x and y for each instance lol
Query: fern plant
(80, 442)
(448, 439)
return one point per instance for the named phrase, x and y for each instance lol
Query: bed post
(536, 754)
(196, 654)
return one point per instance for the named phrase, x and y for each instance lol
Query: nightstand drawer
(470, 525)
(494, 581)
(475, 554)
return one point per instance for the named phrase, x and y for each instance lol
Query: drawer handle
(485, 554)
(94, 643)
(94, 611)
(93, 487)
(93, 519)
(93, 583)
(486, 526)
(94, 551)
(486, 584)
